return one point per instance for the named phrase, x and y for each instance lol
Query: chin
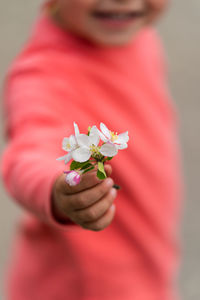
(115, 39)
(110, 41)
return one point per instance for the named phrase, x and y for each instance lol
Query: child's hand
(88, 204)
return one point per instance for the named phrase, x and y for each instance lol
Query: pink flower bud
(72, 178)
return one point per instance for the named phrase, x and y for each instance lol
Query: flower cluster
(88, 150)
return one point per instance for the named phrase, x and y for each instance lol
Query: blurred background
(180, 31)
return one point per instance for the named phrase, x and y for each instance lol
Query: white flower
(108, 149)
(119, 140)
(70, 144)
(81, 147)
(72, 178)
(88, 145)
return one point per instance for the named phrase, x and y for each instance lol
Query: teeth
(114, 16)
(121, 16)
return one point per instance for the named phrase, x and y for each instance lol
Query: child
(93, 61)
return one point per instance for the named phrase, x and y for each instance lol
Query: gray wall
(180, 31)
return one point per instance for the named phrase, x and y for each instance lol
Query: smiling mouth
(123, 16)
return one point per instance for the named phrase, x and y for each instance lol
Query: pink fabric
(58, 79)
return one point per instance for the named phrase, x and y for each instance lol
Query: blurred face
(107, 22)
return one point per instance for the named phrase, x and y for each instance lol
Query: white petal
(66, 144)
(94, 130)
(105, 130)
(76, 130)
(94, 139)
(102, 136)
(66, 157)
(108, 149)
(122, 146)
(72, 141)
(94, 133)
(62, 157)
(83, 140)
(122, 138)
(81, 154)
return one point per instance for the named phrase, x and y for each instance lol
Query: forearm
(29, 176)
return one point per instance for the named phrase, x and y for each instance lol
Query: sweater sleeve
(34, 132)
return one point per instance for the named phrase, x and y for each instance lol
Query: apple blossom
(88, 145)
(72, 177)
(87, 151)
(119, 140)
(70, 144)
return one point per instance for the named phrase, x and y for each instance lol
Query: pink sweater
(58, 79)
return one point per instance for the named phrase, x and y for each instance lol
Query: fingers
(87, 204)
(108, 169)
(95, 211)
(88, 180)
(102, 222)
(90, 196)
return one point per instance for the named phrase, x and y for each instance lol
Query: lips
(117, 20)
(113, 15)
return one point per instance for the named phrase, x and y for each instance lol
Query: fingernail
(109, 182)
(113, 207)
(113, 192)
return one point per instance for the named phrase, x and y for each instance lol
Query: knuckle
(113, 193)
(105, 206)
(91, 215)
(108, 221)
(100, 224)
(110, 200)
(103, 189)
(86, 216)
(79, 201)
(82, 218)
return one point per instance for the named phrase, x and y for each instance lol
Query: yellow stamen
(94, 149)
(95, 152)
(68, 146)
(114, 136)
